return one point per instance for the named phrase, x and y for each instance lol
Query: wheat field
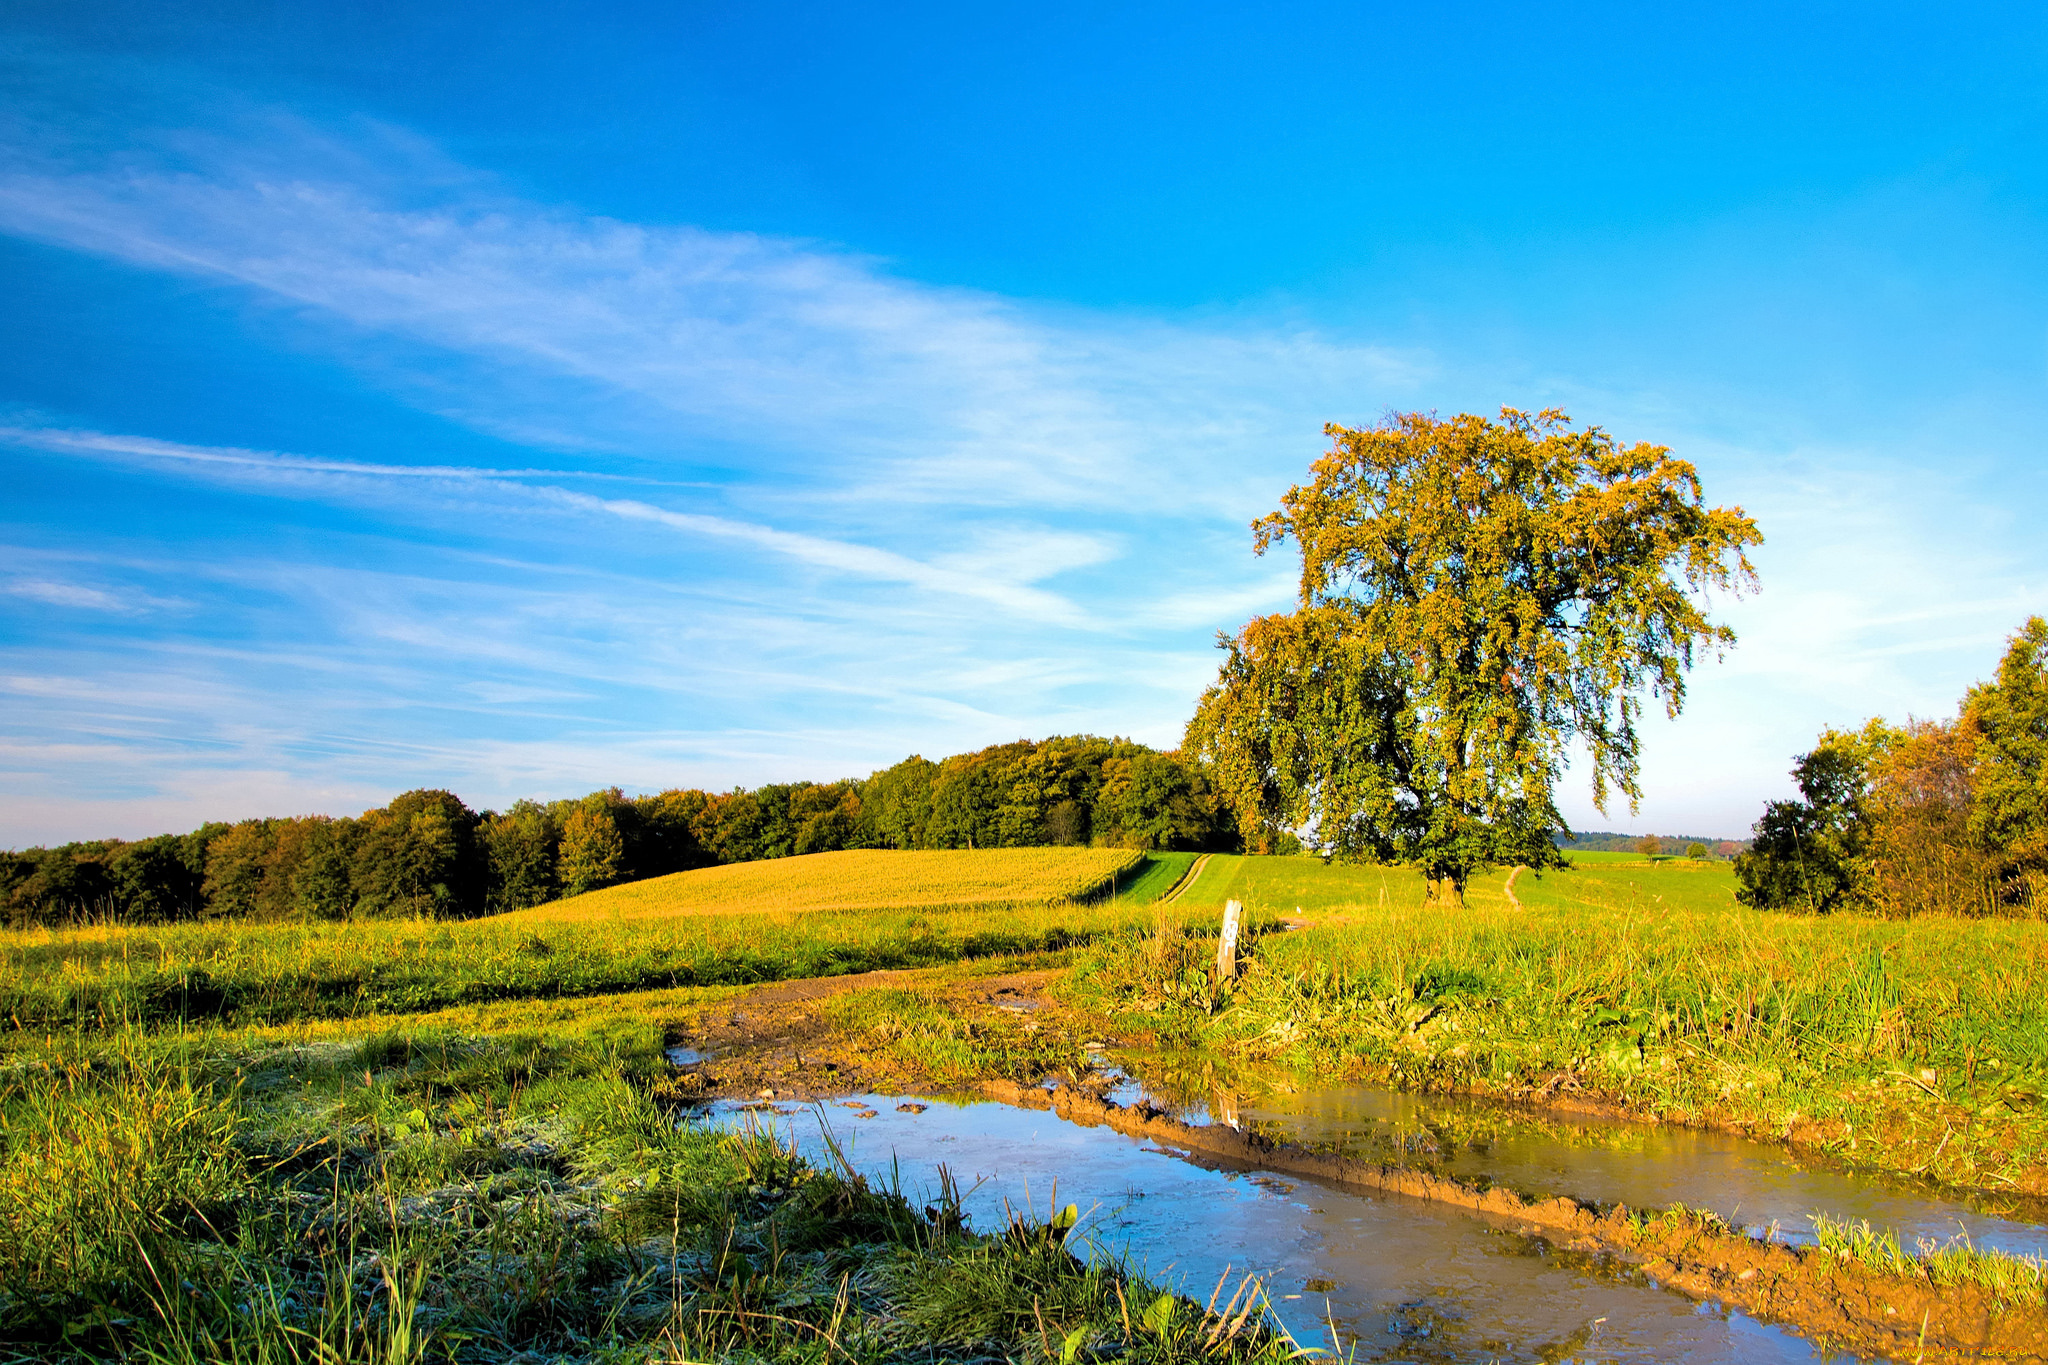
(854, 880)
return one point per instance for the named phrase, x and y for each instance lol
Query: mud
(1838, 1302)
(779, 1043)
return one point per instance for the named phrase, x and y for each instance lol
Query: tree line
(1652, 845)
(1948, 817)
(428, 854)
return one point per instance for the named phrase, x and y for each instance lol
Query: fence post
(1226, 947)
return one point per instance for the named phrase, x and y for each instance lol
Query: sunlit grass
(429, 1193)
(860, 879)
(1917, 1045)
(99, 978)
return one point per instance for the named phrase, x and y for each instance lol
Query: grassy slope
(864, 879)
(1919, 1045)
(101, 978)
(1153, 877)
(1279, 885)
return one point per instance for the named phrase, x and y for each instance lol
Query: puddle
(1752, 1184)
(1406, 1280)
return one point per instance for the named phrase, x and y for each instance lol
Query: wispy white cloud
(58, 594)
(949, 517)
(905, 390)
(105, 444)
(971, 575)
(864, 560)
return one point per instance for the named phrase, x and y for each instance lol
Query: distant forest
(429, 854)
(1606, 841)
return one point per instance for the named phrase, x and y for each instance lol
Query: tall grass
(432, 1195)
(101, 978)
(1921, 1045)
(105, 1168)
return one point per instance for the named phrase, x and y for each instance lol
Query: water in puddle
(1406, 1280)
(1752, 1184)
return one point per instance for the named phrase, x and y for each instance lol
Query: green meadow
(399, 1140)
(1917, 1046)
(104, 978)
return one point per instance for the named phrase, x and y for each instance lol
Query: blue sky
(522, 400)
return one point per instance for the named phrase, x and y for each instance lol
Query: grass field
(865, 879)
(102, 979)
(1154, 876)
(402, 1141)
(1917, 1045)
(431, 1193)
(378, 1135)
(1279, 885)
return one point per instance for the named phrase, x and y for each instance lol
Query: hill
(855, 879)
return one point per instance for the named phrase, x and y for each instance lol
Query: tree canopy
(1475, 597)
(1945, 817)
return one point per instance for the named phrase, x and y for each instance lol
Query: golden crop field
(853, 880)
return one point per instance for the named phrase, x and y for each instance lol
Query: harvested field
(856, 880)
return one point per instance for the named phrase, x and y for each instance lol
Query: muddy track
(1834, 1301)
(780, 1042)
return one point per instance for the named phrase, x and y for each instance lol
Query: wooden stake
(1226, 949)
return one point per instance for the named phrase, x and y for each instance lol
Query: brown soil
(1836, 1301)
(777, 1043)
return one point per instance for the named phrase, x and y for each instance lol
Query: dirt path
(793, 1041)
(1192, 875)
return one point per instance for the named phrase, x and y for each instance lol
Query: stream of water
(1754, 1185)
(1404, 1279)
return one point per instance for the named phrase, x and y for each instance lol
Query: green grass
(101, 978)
(430, 1194)
(1280, 885)
(1918, 1046)
(921, 1031)
(396, 1141)
(1156, 875)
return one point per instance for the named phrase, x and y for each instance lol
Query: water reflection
(1405, 1280)
(1755, 1185)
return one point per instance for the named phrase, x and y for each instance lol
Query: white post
(1226, 949)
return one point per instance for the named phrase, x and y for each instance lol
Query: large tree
(1476, 597)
